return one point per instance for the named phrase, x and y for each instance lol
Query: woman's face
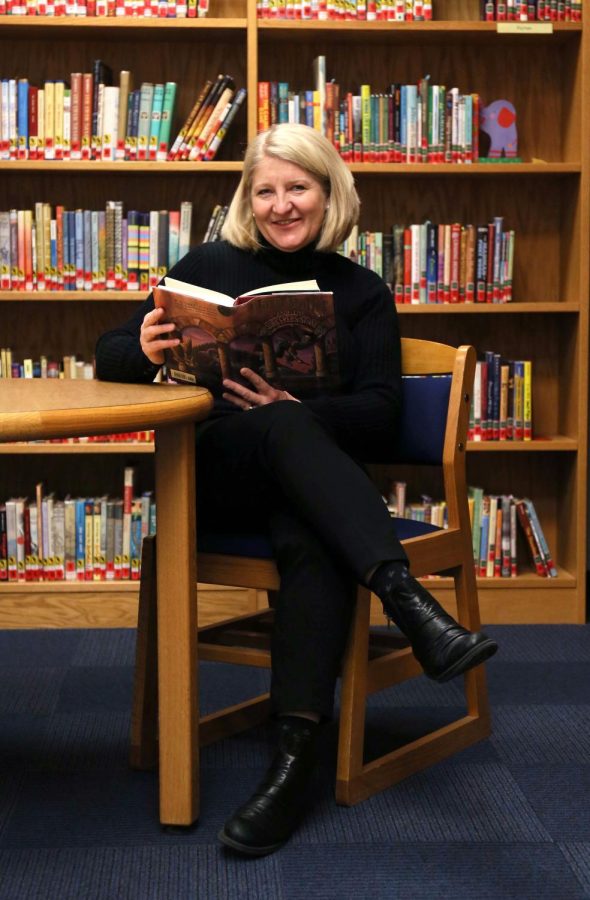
(288, 203)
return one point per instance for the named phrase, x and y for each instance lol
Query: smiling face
(288, 203)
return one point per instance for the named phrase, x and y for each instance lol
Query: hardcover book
(286, 333)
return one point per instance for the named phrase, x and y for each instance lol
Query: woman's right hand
(152, 336)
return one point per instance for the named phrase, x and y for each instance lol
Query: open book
(286, 333)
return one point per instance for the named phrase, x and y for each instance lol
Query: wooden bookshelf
(546, 199)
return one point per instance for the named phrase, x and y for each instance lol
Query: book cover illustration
(286, 336)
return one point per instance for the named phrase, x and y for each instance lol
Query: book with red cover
(285, 332)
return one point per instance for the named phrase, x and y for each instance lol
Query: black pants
(278, 470)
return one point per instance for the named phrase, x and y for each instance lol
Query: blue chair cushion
(258, 546)
(409, 528)
(425, 401)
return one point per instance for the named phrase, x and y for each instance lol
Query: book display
(539, 205)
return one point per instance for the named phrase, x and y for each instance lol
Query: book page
(200, 293)
(290, 286)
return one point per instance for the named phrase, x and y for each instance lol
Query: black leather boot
(267, 820)
(443, 648)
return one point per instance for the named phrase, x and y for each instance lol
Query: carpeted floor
(509, 818)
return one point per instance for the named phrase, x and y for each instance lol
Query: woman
(291, 466)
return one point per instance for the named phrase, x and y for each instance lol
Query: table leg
(177, 625)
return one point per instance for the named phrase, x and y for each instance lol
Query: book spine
(166, 120)
(67, 124)
(76, 116)
(87, 230)
(58, 126)
(144, 250)
(87, 102)
(153, 248)
(186, 210)
(525, 523)
(133, 218)
(145, 112)
(184, 131)
(110, 541)
(110, 118)
(484, 537)
(540, 537)
(155, 121)
(70, 539)
(491, 553)
(124, 90)
(128, 486)
(58, 539)
(23, 118)
(49, 114)
(527, 411)
(173, 237)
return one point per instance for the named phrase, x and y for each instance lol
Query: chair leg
(144, 715)
(351, 733)
(475, 680)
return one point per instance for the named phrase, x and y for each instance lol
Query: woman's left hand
(260, 394)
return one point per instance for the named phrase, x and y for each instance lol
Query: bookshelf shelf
(141, 28)
(558, 443)
(69, 587)
(44, 449)
(546, 199)
(467, 170)
(126, 166)
(71, 296)
(487, 309)
(521, 582)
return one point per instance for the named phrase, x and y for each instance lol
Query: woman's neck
(297, 265)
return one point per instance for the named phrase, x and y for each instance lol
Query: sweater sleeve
(365, 415)
(119, 356)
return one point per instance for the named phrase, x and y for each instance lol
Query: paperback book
(286, 333)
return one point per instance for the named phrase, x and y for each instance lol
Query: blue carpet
(507, 818)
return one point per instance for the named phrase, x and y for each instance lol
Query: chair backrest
(430, 371)
(423, 419)
(435, 416)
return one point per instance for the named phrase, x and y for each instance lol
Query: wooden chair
(433, 431)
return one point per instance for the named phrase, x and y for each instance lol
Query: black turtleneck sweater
(363, 414)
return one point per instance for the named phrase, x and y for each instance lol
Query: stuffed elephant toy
(498, 120)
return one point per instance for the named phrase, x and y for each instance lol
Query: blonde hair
(307, 148)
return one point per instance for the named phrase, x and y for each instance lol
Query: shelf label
(524, 27)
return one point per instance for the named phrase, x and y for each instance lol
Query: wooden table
(39, 409)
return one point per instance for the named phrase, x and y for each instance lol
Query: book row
(87, 117)
(408, 123)
(501, 408)
(428, 510)
(439, 263)
(347, 10)
(163, 9)
(215, 224)
(67, 367)
(216, 107)
(52, 249)
(531, 10)
(75, 539)
(494, 521)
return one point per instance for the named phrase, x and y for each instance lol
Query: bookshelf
(546, 199)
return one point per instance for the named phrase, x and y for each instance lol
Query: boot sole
(246, 849)
(472, 658)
